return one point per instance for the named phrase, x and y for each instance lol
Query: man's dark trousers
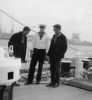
(38, 56)
(55, 71)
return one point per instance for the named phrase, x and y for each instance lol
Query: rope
(75, 49)
(15, 19)
(25, 25)
(80, 50)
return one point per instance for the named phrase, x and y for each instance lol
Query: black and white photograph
(45, 49)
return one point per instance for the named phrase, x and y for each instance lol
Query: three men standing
(41, 43)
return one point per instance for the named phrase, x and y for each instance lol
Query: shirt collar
(39, 33)
(58, 34)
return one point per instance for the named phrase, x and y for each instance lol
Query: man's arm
(47, 44)
(61, 47)
(11, 40)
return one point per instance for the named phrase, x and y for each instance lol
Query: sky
(75, 16)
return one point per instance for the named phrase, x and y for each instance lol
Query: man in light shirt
(40, 48)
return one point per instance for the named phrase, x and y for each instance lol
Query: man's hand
(10, 50)
(31, 53)
(48, 59)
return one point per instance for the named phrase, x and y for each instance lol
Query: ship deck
(41, 92)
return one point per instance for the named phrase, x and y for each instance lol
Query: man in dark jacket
(19, 43)
(56, 52)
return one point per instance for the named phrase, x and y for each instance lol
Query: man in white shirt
(40, 48)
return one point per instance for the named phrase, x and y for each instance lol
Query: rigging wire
(15, 19)
(75, 49)
(25, 25)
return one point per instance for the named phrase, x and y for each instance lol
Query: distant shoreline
(6, 36)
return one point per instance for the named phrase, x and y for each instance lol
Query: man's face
(26, 32)
(42, 29)
(56, 30)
